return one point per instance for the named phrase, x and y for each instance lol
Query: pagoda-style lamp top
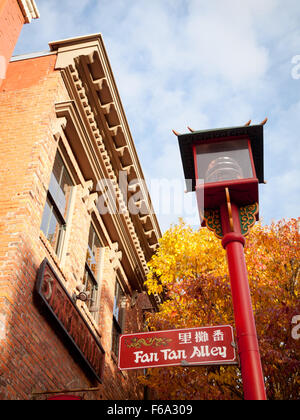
(225, 166)
(224, 158)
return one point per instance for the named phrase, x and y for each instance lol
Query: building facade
(76, 223)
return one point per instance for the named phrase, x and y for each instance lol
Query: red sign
(69, 319)
(193, 346)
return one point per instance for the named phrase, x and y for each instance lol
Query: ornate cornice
(29, 10)
(90, 82)
(78, 135)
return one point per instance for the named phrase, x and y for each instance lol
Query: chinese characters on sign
(195, 346)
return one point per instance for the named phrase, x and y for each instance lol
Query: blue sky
(203, 64)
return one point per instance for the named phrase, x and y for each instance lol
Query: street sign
(182, 347)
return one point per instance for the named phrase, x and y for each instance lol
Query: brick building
(76, 226)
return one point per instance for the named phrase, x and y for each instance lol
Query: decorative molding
(89, 199)
(29, 10)
(95, 113)
(92, 83)
(212, 219)
(88, 186)
(69, 110)
(92, 200)
(247, 216)
(58, 127)
(115, 256)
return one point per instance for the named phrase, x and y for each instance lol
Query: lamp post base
(252, 374)
(254, 388)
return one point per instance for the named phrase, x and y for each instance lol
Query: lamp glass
(223, 161)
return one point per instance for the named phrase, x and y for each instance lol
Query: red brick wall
(27, 151)
(33, 356)
(11, 23)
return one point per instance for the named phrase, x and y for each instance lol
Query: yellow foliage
(190, 271)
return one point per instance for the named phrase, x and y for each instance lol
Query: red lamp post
(225, 167)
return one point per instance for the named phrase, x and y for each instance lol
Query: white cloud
(224, 43)
(197, 63)
(280, 196)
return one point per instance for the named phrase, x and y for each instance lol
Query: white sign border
(181, 363)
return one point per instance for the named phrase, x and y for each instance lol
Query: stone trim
(90, 79)
(29, 10)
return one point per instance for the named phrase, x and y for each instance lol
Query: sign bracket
(184, 363)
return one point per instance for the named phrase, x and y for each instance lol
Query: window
(118, 317)
(57, 204)
(92, 267)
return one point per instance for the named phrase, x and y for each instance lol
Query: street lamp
(224, 167)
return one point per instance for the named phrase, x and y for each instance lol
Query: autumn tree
(190, 272)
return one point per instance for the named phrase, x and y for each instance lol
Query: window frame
(95, 283)
(117, 325)
(95, 277)
(58, 247)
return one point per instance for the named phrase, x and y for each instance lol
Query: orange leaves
(190, 267)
